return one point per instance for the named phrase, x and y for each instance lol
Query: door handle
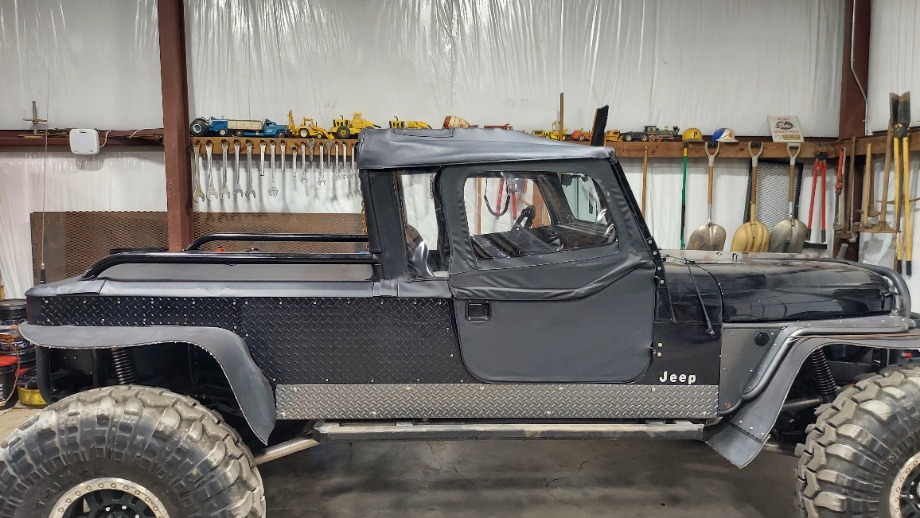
(478, 311)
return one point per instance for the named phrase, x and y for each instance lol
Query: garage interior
(145, 126)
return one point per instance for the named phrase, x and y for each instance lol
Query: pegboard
(75, 240)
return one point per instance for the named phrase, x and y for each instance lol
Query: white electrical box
(84, 142)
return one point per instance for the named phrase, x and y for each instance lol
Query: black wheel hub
(910, 495)
(109, 503)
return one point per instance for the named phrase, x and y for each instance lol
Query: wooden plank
(174, 79)
(774, 150)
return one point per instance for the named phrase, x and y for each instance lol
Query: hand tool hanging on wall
(882, 227)
(250, 192)
(851, 191)
(683, 202)
(212, 191)
(283, 154)
(752, 236)
(293, 161)
(644, 178)
(261, 158)
(838, 190)
(867, 185)
(322, 172)
(811, 205)
(303, 162)
(224, 189)
(335, 164)
(821, 168)
(902, 141)
(198, 193)
(788, 235)
(237, 190)
(709, 236)
(272, 190)
(310, 144)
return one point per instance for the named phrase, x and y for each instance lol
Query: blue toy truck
(239, 128)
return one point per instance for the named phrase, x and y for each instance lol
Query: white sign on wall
(785, 128)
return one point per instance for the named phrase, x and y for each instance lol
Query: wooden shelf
(61, 138)
(771, 150)
(289, 142)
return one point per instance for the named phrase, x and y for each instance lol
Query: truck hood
(784, 287)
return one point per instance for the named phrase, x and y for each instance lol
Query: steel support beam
(852, 101)
(176, 141)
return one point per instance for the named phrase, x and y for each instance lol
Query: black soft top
(399, 148)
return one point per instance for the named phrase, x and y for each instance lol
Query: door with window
(551, 277)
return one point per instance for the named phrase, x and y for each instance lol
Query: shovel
(709, 236)
(788, 235)
(752, 236)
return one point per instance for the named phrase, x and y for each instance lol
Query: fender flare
(741, 437)
(250, 388)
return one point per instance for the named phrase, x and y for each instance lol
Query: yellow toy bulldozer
(306, 128)
(555, 134)
(345, 128)
(396, 123)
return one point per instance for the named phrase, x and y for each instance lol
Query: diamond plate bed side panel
(299, 340)
(496, 401)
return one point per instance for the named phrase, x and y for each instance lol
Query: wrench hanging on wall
(224, 190)
(283, 153)
(335, 166)
(237, 190)
(322, 172)
(250, 192)
(310, 143)
(272, 191)
(293, 161)
(198, 194)
(303, 159)
(212, 191)
(261, 158)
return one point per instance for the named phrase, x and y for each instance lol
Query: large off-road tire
(138, 450)
(863, 452)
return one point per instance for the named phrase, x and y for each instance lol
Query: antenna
(41, 267)
(35, 120)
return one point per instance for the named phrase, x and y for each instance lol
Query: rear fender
(252, 391)
(740, 437)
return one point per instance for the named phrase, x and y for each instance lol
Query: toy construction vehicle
(580, 135)
(555, 134)
(653, 134)
(306, 129)
(180, 373)
(612, 136)
(345, 128)
(398, 124)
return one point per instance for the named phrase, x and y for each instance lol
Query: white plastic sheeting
(100, 59)
(704, 63)
(894, 52)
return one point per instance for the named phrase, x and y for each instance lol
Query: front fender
(252, 391)
(740, 437)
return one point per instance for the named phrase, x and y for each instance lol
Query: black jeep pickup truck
(507, 287)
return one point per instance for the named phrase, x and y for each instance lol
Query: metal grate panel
(496, 401)
(75, 240)
(773, 192)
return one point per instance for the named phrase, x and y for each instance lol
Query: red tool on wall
(819, 172)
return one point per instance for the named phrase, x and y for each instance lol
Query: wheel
(581, 138)
(628, 138)
(342, 132)
(304, 133)
(862, 456)
(223, 133)
(281, 134)
(238, 133)
(644, 138)
(142, 451)
(198, 127)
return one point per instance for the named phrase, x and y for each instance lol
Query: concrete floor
(518, 478)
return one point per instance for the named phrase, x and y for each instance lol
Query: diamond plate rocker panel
(495, 401)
